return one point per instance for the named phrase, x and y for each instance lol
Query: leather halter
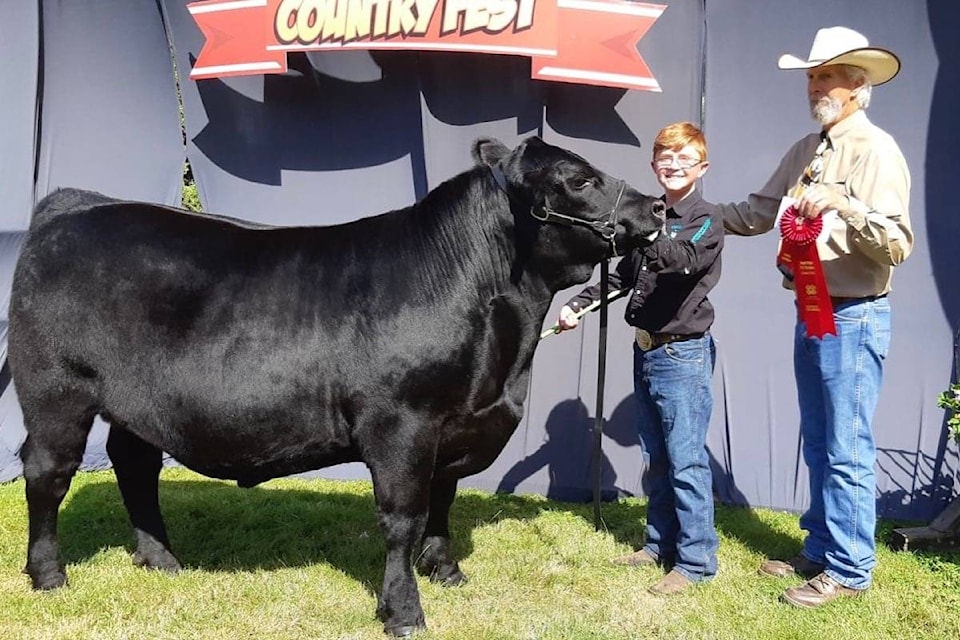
(606, 229)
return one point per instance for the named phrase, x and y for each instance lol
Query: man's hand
(568, 319)
(820, 198)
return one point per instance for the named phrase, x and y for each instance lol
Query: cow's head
(565, 197)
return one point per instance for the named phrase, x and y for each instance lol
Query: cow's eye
(582, 184)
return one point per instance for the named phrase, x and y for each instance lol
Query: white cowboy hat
(840, 45)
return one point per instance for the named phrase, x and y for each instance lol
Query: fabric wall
(107, 119)
(300, 148)
(20, 41)
(345, 135)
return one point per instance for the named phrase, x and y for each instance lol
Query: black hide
(248, 352)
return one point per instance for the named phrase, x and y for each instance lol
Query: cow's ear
(535, 142)
(489, 151)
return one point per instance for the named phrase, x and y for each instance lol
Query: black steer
(404, 341)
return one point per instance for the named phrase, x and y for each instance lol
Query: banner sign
(581, 41)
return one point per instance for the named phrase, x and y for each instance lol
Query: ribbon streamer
(799, 257)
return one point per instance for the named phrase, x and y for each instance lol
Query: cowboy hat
(840, 45)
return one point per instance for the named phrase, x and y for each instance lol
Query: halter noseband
(606, 229)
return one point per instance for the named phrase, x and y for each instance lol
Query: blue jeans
(674, 401)
(838, 385)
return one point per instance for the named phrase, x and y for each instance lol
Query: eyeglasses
(682, 162)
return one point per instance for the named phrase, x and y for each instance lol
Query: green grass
(296, 559)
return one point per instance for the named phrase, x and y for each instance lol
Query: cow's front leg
(401, 474)
(436, 557)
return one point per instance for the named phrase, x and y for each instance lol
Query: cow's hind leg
(137, 464)
(436, 558)
(51, 456)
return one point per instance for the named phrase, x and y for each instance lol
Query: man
(674, 356)
(853, 175)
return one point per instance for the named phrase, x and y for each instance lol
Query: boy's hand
(568, 319)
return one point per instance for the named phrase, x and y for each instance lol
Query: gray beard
(826, 110)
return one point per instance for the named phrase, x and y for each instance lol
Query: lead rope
(597, 455)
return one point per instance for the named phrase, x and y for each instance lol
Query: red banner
(798, 256)
(580, 41)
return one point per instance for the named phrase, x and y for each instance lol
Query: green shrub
(950, 400)
(190, 198)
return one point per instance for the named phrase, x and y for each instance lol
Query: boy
(674, 356)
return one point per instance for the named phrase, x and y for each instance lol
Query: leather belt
(838, 300)
(647, 340)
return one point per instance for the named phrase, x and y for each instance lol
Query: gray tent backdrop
(91, 102)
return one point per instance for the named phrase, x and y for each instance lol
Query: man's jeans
(838, 384)
(674, 400)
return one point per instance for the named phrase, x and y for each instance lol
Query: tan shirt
(866, 241)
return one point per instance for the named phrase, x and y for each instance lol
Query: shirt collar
(855, 120)
(682, 208)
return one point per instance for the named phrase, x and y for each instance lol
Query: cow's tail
(63, 201)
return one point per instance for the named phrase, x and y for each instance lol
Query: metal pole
(597, 456)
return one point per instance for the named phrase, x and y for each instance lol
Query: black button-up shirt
(671, 278)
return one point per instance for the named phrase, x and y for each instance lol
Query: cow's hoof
(161, 561)
(48, 581)
(451, 579)
(447, 574)
(404, 631)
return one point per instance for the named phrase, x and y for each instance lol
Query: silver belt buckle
(644, 339)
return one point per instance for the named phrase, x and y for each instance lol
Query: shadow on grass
(742, 524)
(218, 527)
(215, 526)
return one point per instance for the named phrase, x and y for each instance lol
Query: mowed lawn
(299, 559)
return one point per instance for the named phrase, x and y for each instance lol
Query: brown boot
(819, 590)
(673, 582)
(641, 558)
(797, 565)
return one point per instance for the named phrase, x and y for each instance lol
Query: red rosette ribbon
(798, 260)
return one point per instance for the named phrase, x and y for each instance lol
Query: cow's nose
(660, 210)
